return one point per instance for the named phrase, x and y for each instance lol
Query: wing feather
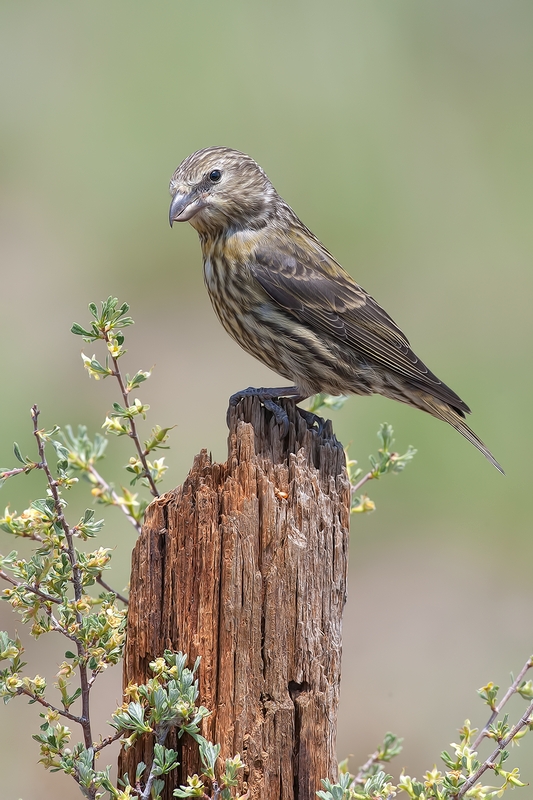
(306, 282)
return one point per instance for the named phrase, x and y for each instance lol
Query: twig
(145, 794)
(490, 762)
(8, 473)
(108, 588)
(84, 720)
(133, 428)
(27, 587)
(107, 741)
(356, 486)
(35, 537)
(508, 694)
(95, 673)
(361, 775)
(46, 704)
(116, 499)
(58, 628)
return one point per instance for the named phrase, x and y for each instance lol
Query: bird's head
(218, 188)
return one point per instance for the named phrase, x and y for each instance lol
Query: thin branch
(108, 588)
(145, 795)
(76, 575)
(95, 673)
(107, 741)
(27, 587)
(37, 538)
(116, 499)
(58, 628)
(509, 693)
(46, 704)
(133, 428)
(85, 720)
(356, 486)
(361, 774)
(9, 473)
(490, 762)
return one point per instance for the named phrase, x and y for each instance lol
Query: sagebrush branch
(116, 499)
(107, 741)
(355, 487)
(84, 720)
(49, 706)
(29, 588)
(513, 688)
(108, 588)
(490, 762)
(133, 428)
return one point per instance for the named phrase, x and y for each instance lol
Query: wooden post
(245, 565)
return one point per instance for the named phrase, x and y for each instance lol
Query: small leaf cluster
(375, 787)
(166, 701)
(386, 462)
(41, 587)
(323, 400)
(463, 766)
(224, 787)
(370, 781)
(107, 325)
(78, 761)
(82, 454)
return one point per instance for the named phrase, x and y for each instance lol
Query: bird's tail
(445, 412)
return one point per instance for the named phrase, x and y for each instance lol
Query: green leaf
(141, 766)
(18, 454)
(323, 400)
(209, 753)
(79, 331)
(157, 787)
(45, 507)
(69, 700)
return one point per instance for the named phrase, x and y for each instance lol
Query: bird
(284, 298)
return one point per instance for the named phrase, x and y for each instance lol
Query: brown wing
(306, 282)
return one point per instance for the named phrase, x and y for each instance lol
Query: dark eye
(215, 176)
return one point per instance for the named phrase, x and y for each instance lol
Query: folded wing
(307, 283)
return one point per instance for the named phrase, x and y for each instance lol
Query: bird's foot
(268, 398)
(312, 420)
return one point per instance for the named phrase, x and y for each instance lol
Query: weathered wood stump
(245, 565)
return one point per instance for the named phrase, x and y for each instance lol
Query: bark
(245, 565)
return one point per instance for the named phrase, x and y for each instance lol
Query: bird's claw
(268, 398)
(268, 401)
(312, 420)
(279, 413)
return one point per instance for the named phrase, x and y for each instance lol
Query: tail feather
(449, 415)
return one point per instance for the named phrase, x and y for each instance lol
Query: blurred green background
(401, 133)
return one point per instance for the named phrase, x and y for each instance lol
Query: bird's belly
(312, 361)
(287, 348)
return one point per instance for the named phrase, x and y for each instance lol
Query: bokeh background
(402, 135)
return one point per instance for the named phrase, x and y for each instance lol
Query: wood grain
(245, 565)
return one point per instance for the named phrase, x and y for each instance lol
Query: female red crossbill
(282, 296)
